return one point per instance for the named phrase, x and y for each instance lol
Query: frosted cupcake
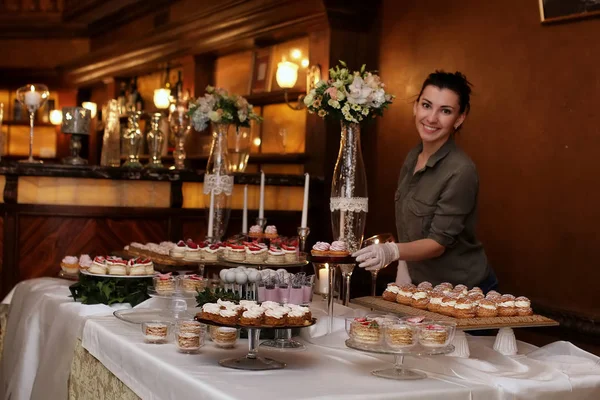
(320, 249)
(85, 262)
(275, 317)
(271, 232)
(210, 312)
(70, 264)
(339, 249)
(255, 231)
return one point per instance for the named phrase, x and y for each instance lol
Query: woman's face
(437, 114)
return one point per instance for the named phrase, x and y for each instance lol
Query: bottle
(155, 140)
(133, 138)
(177, 91)
(111, 143)
(122, 98)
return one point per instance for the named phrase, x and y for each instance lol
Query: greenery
(102, 290)
(210, 296)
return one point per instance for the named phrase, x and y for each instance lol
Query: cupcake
(420, 299)
(464, 308)
(447, 305)
(255, 231)
(391, 292)
(405, 293)
(192, 283)
(164, 283)
(236, 252)
(320, 249)
(70, 264)
(252, 316)
(290, 253)
(256, 254)
(339, 249)
(400, 336)
(506, 306)
(275, 255)
(435, 301)
(178, 251)
(85, 262)
(366, 331)
(228, 316)
(271, 232)
(275, 317)
(523, 305)
(486, 309)
(211, 252)
(98, 266)
(117, 267)
(425, 285)
(192, 251)
(210, 312)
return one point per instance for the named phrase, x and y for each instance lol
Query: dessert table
(53, 345)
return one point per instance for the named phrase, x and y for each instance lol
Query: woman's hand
(377, 256)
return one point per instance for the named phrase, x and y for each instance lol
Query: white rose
(334, 103)
(214, 116)
(358, 92)
(378, 98)
(242, 116)
(310, 97)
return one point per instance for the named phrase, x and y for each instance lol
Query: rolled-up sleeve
(457, 200)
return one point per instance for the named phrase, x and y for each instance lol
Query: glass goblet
(33, 97)
(180, 126)
(377, 239)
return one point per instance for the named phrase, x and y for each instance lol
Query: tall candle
(323, 286)
(341, 224)
(305, 203)
(33, 98)
(261, 206)
(245, 214)
(211, 210)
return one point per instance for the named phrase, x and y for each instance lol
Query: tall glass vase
(218, 183)
(349, 201)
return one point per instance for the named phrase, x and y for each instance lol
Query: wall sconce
(287, 75)
(93, 107)
(162, 98)
(56, 117)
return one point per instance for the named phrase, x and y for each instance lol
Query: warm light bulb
(32, 88)
(296, 54)
(257, 141)
(162, 98)
(90, 106)
(287, 74)
(304, 62)
(56, 117)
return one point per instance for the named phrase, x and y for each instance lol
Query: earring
(456, 127)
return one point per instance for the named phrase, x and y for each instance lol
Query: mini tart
(228, 316)
(405, 294)
(486, 309)
(290, 252)
(275, 256)
(464, 308)
(320, 249)
(98, 266)
(420, 299)
(391, 292)
(275, 317)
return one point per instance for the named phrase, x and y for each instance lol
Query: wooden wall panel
(43, 241)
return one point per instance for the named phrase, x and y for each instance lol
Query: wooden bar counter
(51, 211)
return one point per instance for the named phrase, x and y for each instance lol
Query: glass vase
(111, 141)
(179, 124)
(155, 140)
(133, 137)
(239, 141)
(218, 183)
(349, 201)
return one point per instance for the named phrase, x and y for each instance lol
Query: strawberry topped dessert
(192, 251)
(255, 253)
(236, 252)
(211, 251)
(290, 252)
(178, 251)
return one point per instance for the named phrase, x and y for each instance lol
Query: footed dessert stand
(252, 361)
(398, 372)
(283, 340)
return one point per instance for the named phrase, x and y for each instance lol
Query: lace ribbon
(218, 184)
(352, 204)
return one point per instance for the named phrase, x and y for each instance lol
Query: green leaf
(342, 63)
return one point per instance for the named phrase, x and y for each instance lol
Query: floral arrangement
(349, 97)
(220, 107)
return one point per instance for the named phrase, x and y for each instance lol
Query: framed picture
(261, 81)
(563, 10)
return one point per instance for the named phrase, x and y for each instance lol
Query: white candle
(305, 203)
(341, 224)
(33, 98)
(211, 210)
(323, 286)
(245, 214)
(261, 206)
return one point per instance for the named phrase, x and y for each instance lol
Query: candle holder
(303, 233)
(76, 121)
(262, 222)
(32, 96)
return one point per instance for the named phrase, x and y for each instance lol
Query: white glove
(377, 256)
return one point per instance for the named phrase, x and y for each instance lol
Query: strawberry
(254, 248)
(181, 243)
(237, 246)
(192, 245)
(203, 244)
(214, 246)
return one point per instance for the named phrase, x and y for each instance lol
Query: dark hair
(456, 82)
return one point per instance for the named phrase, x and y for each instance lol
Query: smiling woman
(436, 199)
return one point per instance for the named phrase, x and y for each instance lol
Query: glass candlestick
(76, 121)
(32, 96)
(155, 142)
(133, 138)
(302, 235)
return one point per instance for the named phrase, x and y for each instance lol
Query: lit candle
(261, 206)
(323, 286)
(305, 203)
(33, 98)
(245, 214)
(211, 210)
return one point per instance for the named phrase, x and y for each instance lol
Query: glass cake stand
(399, 372)
(252, 361)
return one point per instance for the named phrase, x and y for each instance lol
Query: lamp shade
(162, 98)
(93, 107)
(56, 117)
(287, 74)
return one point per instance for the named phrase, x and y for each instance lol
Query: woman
(436, 199)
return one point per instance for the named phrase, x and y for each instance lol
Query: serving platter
(84, 272)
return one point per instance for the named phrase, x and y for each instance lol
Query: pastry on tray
(320, 249)
(391, 292)
(366, 331)
(271, 232)
(523, 306)
(98, 266)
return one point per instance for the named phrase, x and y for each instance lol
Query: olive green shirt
(439, 202)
